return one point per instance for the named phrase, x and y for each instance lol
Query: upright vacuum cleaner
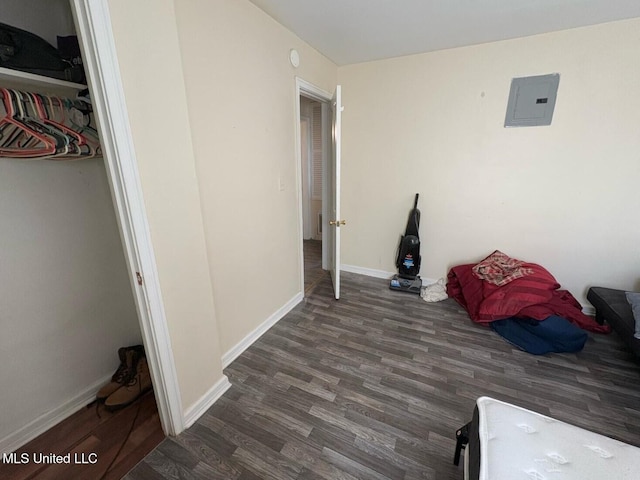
(408, 258)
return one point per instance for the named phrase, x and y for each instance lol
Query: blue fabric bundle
(553, 334)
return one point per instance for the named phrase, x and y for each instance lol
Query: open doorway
(312, 156)
(317, 129)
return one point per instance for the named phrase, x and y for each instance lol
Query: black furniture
(462, 440)
(612, 306)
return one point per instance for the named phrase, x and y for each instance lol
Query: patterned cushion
(500, 269)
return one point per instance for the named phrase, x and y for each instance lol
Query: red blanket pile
(535, 295)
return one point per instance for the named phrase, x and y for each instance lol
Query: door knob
(337, 223)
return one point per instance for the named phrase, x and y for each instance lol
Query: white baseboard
(247, 341)
(370, 272)
(195, 411)
(44, 422)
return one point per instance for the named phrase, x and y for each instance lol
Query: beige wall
(241, 97)
(565, 196)
(149, 57)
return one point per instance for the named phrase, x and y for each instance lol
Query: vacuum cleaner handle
(413, 222)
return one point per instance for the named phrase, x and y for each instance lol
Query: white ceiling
(354, 31)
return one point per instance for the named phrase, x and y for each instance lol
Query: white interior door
(334, 193)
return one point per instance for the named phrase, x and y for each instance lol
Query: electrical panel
(532, 100)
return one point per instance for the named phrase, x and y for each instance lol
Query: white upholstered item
(518, 444)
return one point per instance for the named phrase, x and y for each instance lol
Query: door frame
(309, 90)
(93, 24)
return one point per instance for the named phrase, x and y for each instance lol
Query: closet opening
(68, 299)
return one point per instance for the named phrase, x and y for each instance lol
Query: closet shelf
(6, 74)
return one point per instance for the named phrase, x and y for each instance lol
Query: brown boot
(129, 357)
(132, 390)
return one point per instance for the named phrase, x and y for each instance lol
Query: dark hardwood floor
(85, 433)
(313, 272)
(373, 386)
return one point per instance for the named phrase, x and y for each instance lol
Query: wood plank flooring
(373, 386)
(313, 272)
(84, 433)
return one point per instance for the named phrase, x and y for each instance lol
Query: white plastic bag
(435, 292)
